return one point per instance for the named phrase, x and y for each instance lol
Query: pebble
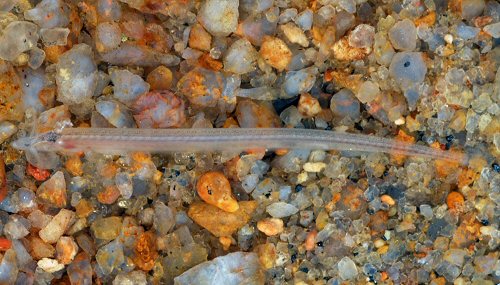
(281, 210)
(308, 105)
(275, 52)
(213, 187)
(160, 78)
(314, 167)
(76, 75)
(159, 109)
(408, 68)
(53, 191)
(362, 36)
(199, 38)
(127, 86)
(116, 114)
(295, 34)
(493, 30)
(219, 17)
(270, 226)
(403, 35)
(344, 104)
(108, 36)
(66, 250)
(55, 36)
(57, 226)
(106, 228)
(7, 129)
(347, 269)
(241, 57)
(50, 265)
(235, 268)
(163, 218)
(16, 38)
(219, 222)
(49, 14)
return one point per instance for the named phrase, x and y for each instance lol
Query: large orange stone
(219, 222)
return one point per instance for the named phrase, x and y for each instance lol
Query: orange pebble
(455, 201)
(5, 244)
(109, 195)
(37, 173)
(214, 188)
(160, 78)
(387, 199)
(225, 242)
(281, 151)
(145, 251)
(271, 226)
(311, 240)
(74, 165)
(109, 170)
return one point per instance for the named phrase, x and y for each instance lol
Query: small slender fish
(122, 140)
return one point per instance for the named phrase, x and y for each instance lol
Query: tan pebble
(314, 166)
(308, 105)
(275, 52)
(219, 222)
(388, 200)
(226, 242)
(344, 52)
(311, 240)
(214, 188)
(379, 243)
(271, 226)
(40, 249)
(160, 78)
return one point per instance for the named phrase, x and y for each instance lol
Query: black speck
(209, 191)
(304, 269)
(496, 167)
(485, 222)
(319, 243)
(298, 188)
(293, 258)
(370, 211)
(267, 195)
(450, 138)
(406, 64)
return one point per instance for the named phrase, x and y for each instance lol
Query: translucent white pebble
(407, 68)
(241, 57)
(49, 14)
(16, 38)
(108, 36)
(403, 35)
(127, 86)
(55, 36)
(76, 75)
(7, 129)
(219, 17)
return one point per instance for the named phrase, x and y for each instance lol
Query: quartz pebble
(76, 75)
(127, 86)
(281, 210)
(220, 18)
(347, 269)
(16, 38)
(241, 57)
(403, 35)
(57, 226)
(233, 268)
(362, 36)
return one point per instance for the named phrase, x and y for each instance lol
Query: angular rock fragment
(219, 222)
(231, 269)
